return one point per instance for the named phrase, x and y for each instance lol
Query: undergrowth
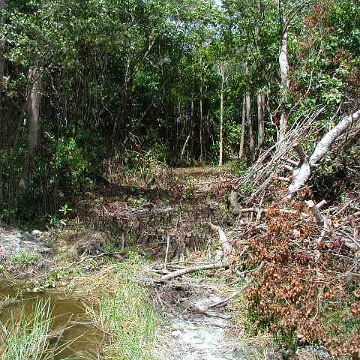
(307, 291)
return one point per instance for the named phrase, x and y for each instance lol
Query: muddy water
(74, 334)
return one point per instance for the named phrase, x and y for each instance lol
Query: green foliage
(142, 76)
(69, 159)
(25, 259)
(237, 167)
(327, 56)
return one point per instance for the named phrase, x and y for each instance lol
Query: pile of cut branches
(271, 164)
(307, 291)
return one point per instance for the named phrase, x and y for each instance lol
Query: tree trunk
(201, 123)
(2, 74)
(184, 147)
(285, 82)
(243, 127)
(221, 134)
(192, 111)
(261, 124)
(33, 107)
(33, 110)
(250, 127)
(2, 49)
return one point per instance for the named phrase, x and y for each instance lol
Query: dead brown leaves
(307, 293)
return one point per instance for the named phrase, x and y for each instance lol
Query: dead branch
(302, 174)
(272, 161)
(316, 212)
(291, 162)
(344, 207)
(280, 178)
(301, 152)
(321, 219)
(324, 144)
(193, 269)
(225, 301)
(233, 200)
(244, 288)
(300, 178)
(288, 168)
(167, 251)
(264, 211)
(226, 250)
(321, 204)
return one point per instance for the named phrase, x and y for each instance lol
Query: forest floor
(198, 309)
(119, 248)
(164, 219)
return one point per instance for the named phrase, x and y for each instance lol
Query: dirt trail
(196, 331)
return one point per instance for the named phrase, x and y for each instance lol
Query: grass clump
(123, 312)
(22, 338)
(25, 259)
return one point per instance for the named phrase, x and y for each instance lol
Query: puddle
(80, 339)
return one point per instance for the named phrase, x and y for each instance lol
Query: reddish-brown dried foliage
(308, 291)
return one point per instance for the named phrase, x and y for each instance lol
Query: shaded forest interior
(181, 82)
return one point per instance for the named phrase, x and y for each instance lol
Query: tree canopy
(190, 80)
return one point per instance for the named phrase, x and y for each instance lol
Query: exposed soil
(195, 329)
(14, 243)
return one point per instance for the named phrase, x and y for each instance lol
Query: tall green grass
(126, 316)
(23, 338)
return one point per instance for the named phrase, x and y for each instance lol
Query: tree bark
(249, 123)
(250, 127)
(243, 127)
(2, 74)
(261, 124)
(33, 107)
(2, 49)
(184, 147)
(285, 82)
(324, 144)
(33, 110)
(201, 123)
(221, 133)
(193, 269)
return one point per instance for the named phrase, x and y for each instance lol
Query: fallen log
(302, 173)
(328, 139)
(224, 263)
